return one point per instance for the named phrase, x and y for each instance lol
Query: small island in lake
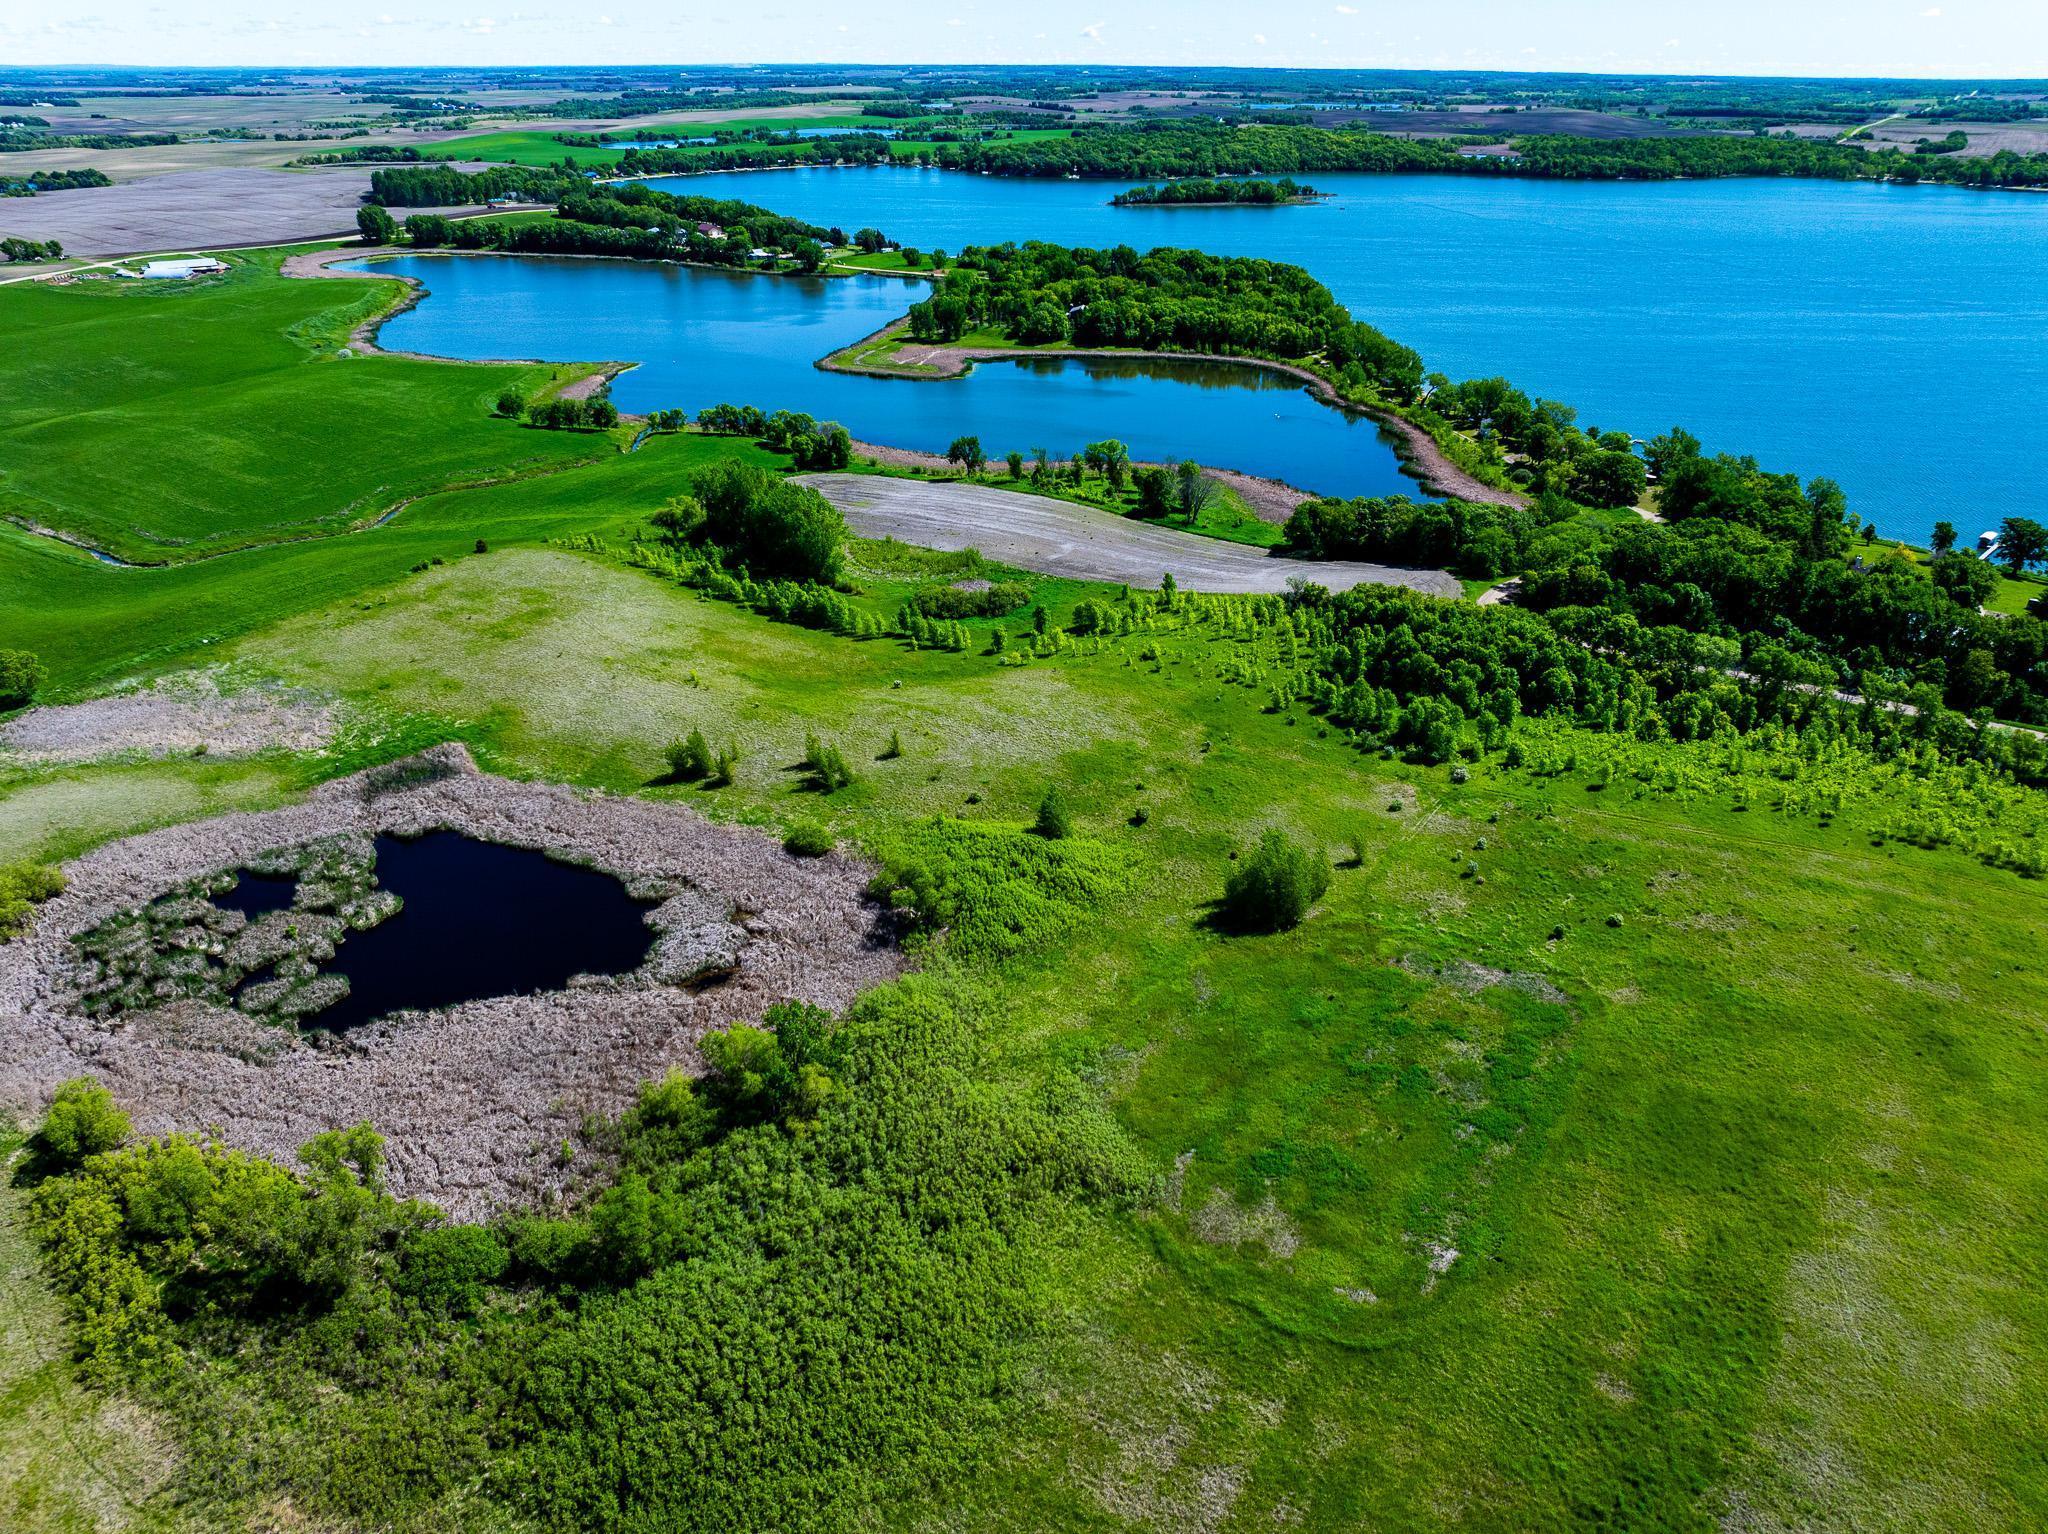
(1202, 193)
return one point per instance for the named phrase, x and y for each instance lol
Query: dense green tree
(769, 525)
(21, 673)
(376, 225)
(2022, 542)
(1054, 820)
(966, 453)
(1273, 888)
(83, 1121)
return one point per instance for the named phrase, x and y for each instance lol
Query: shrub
(511, 404)
(998, 890)
(690, 758)
(992, 601)
(724, 765)
(826, 765)
(1055, 821)
(894, 749)
(1272, 890)
(21, 673)
(809, 840)
(448, 1268)
(23, 886)
(83, 1121)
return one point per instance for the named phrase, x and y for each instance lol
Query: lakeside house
(711, 231)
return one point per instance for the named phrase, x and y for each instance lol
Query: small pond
(257, 895)
(481, 919)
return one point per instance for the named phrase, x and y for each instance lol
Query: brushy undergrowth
(995, 890)
(806, 1291)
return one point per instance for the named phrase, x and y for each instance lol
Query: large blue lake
(1895, 338)
(704, 337)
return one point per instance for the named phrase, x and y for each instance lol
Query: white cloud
(955, 21)
(1347, 10)
(1259, 38)
(1932, 10)
(1093, 31)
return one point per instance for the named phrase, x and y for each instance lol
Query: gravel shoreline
(475, 1100)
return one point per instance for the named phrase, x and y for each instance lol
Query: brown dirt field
(473, 1100)
(195, 210)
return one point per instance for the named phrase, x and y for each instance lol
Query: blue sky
(1832, 37)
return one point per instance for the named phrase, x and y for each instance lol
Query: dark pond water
(481, 920)
(705, 337)
(1893, 338)
(257, 895)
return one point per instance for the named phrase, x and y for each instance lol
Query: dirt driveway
(1035, 532)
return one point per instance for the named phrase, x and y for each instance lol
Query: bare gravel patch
(178, 716)
(1470, 978)
(475, 1099)
(1053, 537)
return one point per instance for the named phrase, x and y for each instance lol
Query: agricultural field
(1629, 1132)
(241, 399)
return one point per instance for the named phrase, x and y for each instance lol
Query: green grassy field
(1600, 1153)
(1734, 1218)
(2012, 595)
(164, 421)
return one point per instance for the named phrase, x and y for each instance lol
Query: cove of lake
(1893, 338)
(703, 337)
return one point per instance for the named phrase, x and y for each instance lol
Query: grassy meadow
(1611, 1148)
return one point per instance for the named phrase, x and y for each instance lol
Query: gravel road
(1035, 532)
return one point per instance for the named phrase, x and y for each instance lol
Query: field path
(1035, 532)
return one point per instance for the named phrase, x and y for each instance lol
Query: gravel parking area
(473, 1100)
(1035, 532)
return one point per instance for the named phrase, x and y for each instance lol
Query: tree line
(1157, 150)
(52, 181)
